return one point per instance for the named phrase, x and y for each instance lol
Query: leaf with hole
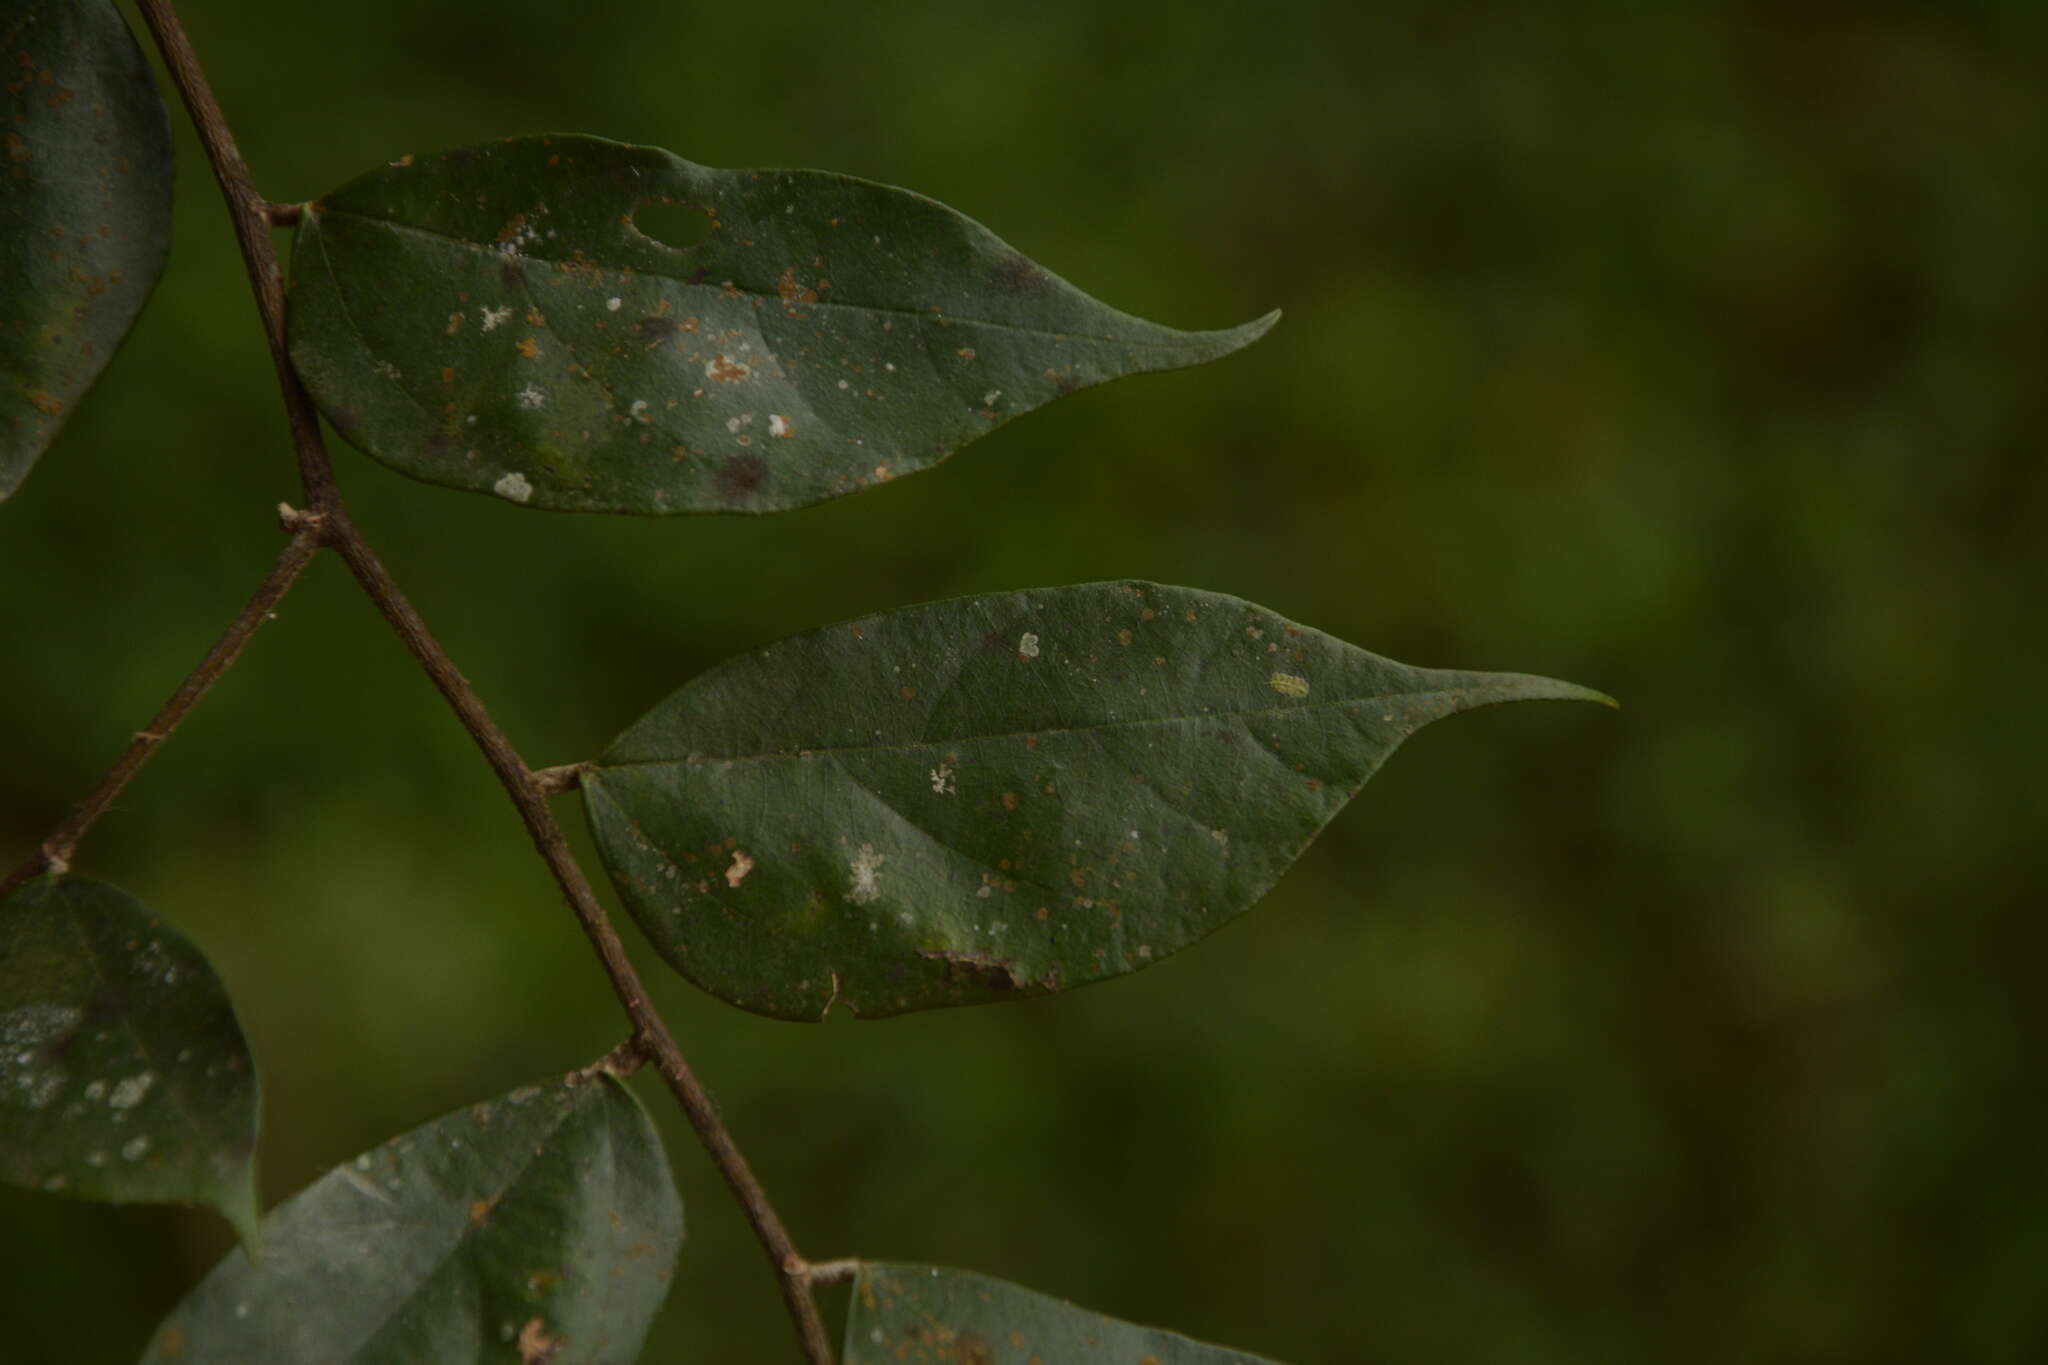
(500, 319)
(123, 1074)
(85, 221)
(925, 1313)
(541, 1225)
(994, 797)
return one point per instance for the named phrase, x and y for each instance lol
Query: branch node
(554, 781)
(291, 519)
(622, 1061)
(56, 860)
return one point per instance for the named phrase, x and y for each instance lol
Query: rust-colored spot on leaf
(46, 404)
(530, 348)
(790, 291)
(536, 1347)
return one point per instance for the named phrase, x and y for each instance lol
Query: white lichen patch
(864, 888)
(514, 487)
(638, 412)
(1287, 685)
(128, 1092)
(613, 305)
(733, 424)
(741, 866)
(28, 1076)
(942, 780)
(1027, 646)
(134, 1148)
(532, 398)
(778, 425)
(988, 400)
(494, 316)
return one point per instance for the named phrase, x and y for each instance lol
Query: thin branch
(833, 1272)
(55, 853)
(253, 216)
(793, 1272)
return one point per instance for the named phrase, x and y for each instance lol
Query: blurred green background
(1692, 351)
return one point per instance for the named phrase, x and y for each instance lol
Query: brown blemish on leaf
(977, 969)
(741, 866)
(725, 371)
(1009, 800)
(790, 291)
(46, 404)
(530, 348)
(536, 1347)
(741, 475)
(480, 1209)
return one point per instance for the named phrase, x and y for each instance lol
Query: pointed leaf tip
(85, 221)
(498, 319)
(124, 1076)
(997, 797)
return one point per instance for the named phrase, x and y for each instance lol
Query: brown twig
(55, 853)
(250, 214)
(793, 1270)
(253, 216)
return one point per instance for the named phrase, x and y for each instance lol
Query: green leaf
(493, 319)
(994, 797)
(85, 218)
(923, 1315)
(123, 1074)
(542, 1219)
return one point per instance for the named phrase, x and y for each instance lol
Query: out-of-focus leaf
(493, 319)
(123, 1074)
(85, 215)
(995, 797)
(539, 1226)
(925, 1315)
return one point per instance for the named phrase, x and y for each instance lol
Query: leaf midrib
(1194, 340)
(832, 751)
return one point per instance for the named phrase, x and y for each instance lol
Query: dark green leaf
(85, 217)
(995, 797)
(123, 1074)
(544, 1218)
(923, 1315)
(493, 319)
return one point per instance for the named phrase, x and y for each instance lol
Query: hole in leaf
(673, 224)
